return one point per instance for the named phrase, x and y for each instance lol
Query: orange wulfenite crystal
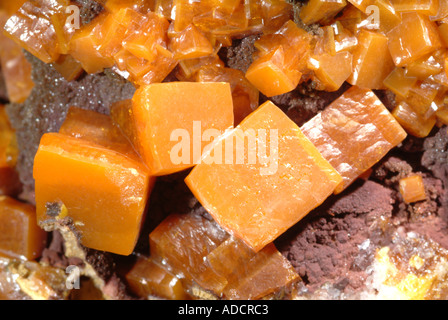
(20, 236)
(283, 56)
(372, 62)
(399, 83)
(412, 122)
(14, 66)
(9, 179)
(244, 95)
(34, 18)
(190, 43)
(205, 254)
(174, 141)
(412, 189)
(246, 274)
(245, 199)
(317, 10)
(68, 67)
(148, 278)
(426, 7)
(89, 178)
(353, 133)
(415, 37)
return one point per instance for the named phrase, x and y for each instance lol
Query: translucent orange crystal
(317, 10)
(20, 236)
(346, 130)
(68, 67)
(245, 199)
(190, 43)
(399, 83)
(412, 122)
(34, 18)
(203, 253)
(413, 38)
(148, 278)
(412, 189)
(332, 70)
(426, 7)
(244, 95)
(372, 62)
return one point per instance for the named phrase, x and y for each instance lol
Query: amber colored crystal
(399, 83)
(183, 241)
(372, 62)
(332, 70)
(83, 48)
(351, 18)
(187, 69)
(317, 10)
(443, 32)
(190, 43)
(68, 67)
(442, 114)
(415, 37)
(142, 6)
(171, 144)
(344, 39)
(424, 67)
(163, 8)
(11, 7)
(15, 67)
(20, 236)
(112, 186)
(97, 128)
(346, 130)
(361, 4)
(421, 96)
(412, 122)
(9, 179)
(426, 7)
(148, 278)
(34, 18)
(245, 200)
(203, 253)
(387, 18)
(412, 189)
(270, 75)
(248, 275)
(244, 95)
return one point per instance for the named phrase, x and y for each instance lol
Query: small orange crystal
(412, 189)
(399, 83)
(148, 278)
(412, 122)
(317, 10)
(372, 62)
(20, 236)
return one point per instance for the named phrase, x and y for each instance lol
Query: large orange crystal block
(412, 189)
(105, 192)
(412, 122)
(148, 278)
(317, 10)
(353, 133)
(32, 28)
(175, 121)
(20, 236)
(266, 155)
(204, 254)
(413, 38)
(372, 62)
